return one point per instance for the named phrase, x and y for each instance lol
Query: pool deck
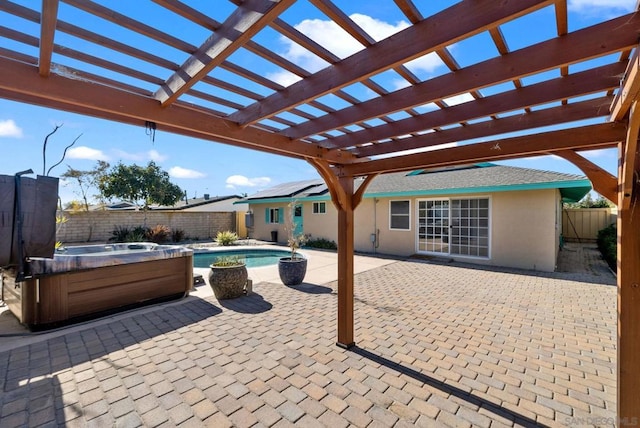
(438, 344)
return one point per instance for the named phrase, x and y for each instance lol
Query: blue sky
(200, 166)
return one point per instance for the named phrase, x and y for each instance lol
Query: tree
(86, 180)
(589, 202)
(139, 185)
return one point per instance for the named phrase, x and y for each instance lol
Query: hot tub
(85, 281)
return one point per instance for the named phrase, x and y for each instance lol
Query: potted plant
(293, 269)
(228, 277)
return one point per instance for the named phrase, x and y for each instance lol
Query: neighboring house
(485, 213)
(204, 204)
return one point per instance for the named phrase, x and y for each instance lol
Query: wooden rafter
(629, 91)
(244, 23)
(102, 100)
(590, 81)
(584, 138)
(582, 110)
(413, 42)
(503, 49)
(48, 20)
(574, 47)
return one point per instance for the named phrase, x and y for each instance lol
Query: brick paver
(437, 345)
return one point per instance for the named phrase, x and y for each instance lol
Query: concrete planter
(292, 272)
(228, 282)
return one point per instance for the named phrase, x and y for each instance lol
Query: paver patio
(437, 345)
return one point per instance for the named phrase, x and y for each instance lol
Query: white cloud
(155, 156)
(8, 128)
(333, 38)
(418, 150)
(234, 181)
(600, 153)
(179, 172)
(84, 152)
(594, 6)
(284, 78)
(458, 99)
(151, 155)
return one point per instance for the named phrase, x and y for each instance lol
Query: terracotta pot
(228, 282)
(292, 272)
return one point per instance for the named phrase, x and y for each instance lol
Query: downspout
(375, 238)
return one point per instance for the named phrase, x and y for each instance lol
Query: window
(273, 215)
(400, 215)
(319, 207)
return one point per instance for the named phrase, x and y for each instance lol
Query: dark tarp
(38, 203)
(7, 190)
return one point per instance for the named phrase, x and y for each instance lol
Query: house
(484, 213)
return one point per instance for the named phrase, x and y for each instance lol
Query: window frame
(319, 204)
(408, 215)
(273, 216)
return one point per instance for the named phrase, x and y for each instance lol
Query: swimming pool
(252, 257)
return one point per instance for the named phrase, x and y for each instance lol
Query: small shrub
(178, 235)
(228, 261)
(322, 243)
(608, 245)
(226, 238)
(138, 234)
(120, 234)
(158, 234)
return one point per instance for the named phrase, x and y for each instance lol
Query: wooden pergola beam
(48, 20)
(574, 47)
(603, 182)
(430, 34)
(630, 153)
(582, 83)
(629, 90)
(582, 138)
(246, 21)
(22, 81)
(551, 116)
(628, 276)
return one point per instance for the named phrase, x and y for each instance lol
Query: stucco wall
(262, 230)
(524, 230)
(98, 225)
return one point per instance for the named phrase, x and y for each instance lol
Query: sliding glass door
(454, 226)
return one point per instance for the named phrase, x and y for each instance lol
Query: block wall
(98, 225)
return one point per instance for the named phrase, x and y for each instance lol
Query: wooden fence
(583, 224)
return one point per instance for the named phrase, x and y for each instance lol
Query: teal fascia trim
(486, 189)
(416, 172)
(574, 194)
(570, 188)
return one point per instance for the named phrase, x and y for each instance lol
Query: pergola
(585, 96)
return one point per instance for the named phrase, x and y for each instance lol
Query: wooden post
(346, 201)
(345, 266)
(628, 291)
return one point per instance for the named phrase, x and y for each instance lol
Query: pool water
(252, 258)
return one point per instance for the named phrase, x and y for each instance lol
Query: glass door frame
(451, 223)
